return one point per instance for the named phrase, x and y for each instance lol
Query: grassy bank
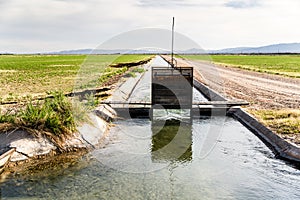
(287, 65)
(27, 75)
(131, 58)
(55, 118)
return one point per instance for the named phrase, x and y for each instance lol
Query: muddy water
(147, 160)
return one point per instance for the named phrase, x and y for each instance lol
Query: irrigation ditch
(214, 155)
(280, 147)
(22, 151)
(20, 148)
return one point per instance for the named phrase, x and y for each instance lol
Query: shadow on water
(171, 141)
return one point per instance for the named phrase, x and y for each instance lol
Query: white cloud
(173, 3)
(242, 4)
(35, 25)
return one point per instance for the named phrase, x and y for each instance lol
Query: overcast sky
(52, 25)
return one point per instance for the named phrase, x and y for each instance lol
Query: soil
(262, 91)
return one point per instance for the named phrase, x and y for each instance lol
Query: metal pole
(172, 55)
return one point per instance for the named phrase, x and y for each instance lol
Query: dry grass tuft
(284, 122)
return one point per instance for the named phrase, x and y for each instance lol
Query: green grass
(54, 118)
(287, 65)
(27, 75)
(132, 73)
(130, 58)
(138, 70)
(111, 72)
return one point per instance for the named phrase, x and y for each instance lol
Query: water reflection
(171, 141)
(136, 165)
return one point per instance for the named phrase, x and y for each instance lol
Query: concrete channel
(141, 90)
(213, 157)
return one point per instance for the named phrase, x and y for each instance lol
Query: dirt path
(263, 91)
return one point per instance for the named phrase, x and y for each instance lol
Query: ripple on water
(142, 161)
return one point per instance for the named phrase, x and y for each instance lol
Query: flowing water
(151, 160)
(210, 158)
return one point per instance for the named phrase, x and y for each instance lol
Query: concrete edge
(207, 92)
(280, 147)
(77, 143)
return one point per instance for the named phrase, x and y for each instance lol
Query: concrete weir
(170, 88)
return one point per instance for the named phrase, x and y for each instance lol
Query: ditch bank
(131, 64)
(20, 149)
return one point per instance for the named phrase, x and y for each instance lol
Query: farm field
(130, 58)
(287, 65)
(22, 75)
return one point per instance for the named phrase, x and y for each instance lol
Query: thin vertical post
(172, 53)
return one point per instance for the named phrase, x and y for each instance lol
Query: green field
(22, 75)
(287, 65)
(130, 58)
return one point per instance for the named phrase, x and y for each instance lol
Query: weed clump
(52, 118)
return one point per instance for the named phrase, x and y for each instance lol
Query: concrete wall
(281, 148)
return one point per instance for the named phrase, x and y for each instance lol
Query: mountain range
(275, 48)
(270, 49)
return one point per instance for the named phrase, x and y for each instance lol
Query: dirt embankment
(262, 91)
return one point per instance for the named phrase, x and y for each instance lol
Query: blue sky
(52, 25)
